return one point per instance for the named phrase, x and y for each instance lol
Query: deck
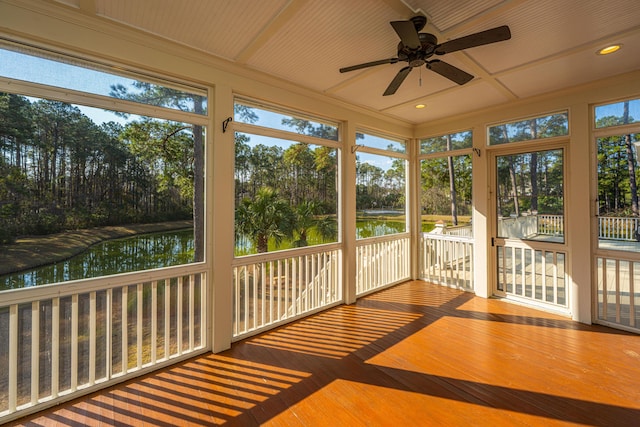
(415, 354)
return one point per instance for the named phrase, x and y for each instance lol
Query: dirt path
(34, 251)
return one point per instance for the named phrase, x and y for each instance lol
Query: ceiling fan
(416, 48)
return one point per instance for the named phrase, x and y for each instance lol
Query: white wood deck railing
(617, 228)
(277, 287)
(529, 270)
(609, 227)
(551, 225)
(447, 260)
(618, 292)
(63, 340)
(382, 261)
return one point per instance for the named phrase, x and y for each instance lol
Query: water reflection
(375, 228)
(142, 252)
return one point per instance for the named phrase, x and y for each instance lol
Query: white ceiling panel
(447, 14)
(325, 36)
(473, 96)
(223, 28)
(544, 28)
(572, 70)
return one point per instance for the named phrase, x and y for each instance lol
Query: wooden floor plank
(414, 354)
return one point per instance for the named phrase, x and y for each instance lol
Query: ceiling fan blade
(368, 64)
(397, 81)
(447, 70)
(497, 34)
(406, 30)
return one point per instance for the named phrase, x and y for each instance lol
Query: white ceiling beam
(276, 24)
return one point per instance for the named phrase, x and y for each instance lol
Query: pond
(141, 252)
(155, 250)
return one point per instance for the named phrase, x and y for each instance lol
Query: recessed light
(609, 49)
(420, 106)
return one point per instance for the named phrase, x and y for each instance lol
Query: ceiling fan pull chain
(420, 79)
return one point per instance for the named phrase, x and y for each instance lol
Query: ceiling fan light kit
(416, 49)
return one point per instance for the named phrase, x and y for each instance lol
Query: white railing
(611, 228)
(533, 273)
(269, 289)
(551, 225)
(521, 227)
(63, 340)
(617, 228)
(459, 230)
(382, 261)
(447, 260)
(618, 295)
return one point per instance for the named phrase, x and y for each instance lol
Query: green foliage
(435, 175)
(60, 171)
(266, 216)
(615, 193)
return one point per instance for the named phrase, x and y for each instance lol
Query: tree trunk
(514, 186)
(631, 164)
(198, 187)
(452, 184)
(533, 169)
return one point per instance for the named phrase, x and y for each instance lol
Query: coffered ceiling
(305, 42)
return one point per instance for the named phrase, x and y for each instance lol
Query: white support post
(348, 211)
(221, 155)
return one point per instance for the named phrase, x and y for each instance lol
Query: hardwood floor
(413, 355)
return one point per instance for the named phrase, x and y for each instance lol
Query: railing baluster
(617, 291)
(632, 310)
(13, 357)
(35, 351)
(285, 309)
(108, 332)
(125, 330)
(154, 321)
(92, 337)
(74, 342)
(191, 311)
(139, 344)
(179, 300)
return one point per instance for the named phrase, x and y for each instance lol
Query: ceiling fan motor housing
(418, 57)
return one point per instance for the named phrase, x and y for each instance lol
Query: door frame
(496, 241)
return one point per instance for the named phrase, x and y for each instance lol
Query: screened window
(549, 126)
(380, 142)
(446, 184)
(380, 186)
(97, 192)
(618, 205)
(530, 199)
(247, 112)
(286, 185)
(619, 113)
(21, 63)
(445, 196)
(454, 141)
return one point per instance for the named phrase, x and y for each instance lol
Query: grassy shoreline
(34, 251)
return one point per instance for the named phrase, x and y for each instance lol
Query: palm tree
(266, 216)
(305, 219)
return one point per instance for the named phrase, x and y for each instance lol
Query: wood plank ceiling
(553, 44)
